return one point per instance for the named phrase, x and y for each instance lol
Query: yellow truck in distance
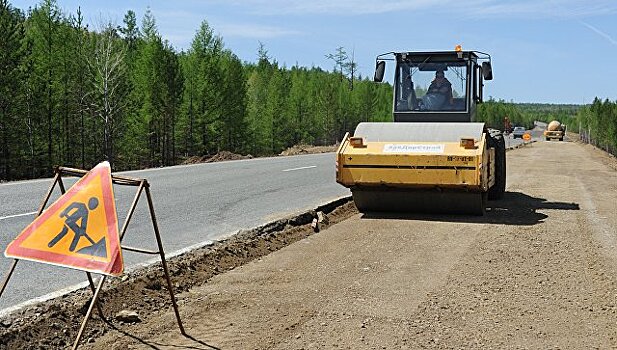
(555, 130)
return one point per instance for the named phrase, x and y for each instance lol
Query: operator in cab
(439, 93)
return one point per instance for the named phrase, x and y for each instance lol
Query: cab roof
(436, 56)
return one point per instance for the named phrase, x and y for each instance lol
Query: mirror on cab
(487, 71)
(379, 71)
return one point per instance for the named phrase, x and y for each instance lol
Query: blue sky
(553, 51)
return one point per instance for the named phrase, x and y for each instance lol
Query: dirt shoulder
(308, 149)
(291, 151)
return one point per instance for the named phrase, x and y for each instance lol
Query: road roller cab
(437, 86)
(434, 157)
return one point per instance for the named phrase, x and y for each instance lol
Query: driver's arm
(447, 90)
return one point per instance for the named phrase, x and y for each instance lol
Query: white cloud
(338, 7)
(545, 8)
(253, 31)
(600, 33)
(468, 8)
(224, 27)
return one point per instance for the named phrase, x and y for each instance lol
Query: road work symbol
(76, 220)
(79, 230)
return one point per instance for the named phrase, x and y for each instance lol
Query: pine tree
(11, 55)
(188, 64)
(42, 29)
(233, 108)
(298, 107)
(340, 58)
(66, 83)
(81, 74)
(206, 50)
(149, 88)
(130, 31)
(172, 97)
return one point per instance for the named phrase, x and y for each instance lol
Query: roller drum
(419, 201)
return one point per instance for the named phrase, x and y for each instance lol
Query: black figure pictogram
(76, 220)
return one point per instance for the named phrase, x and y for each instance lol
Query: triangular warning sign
(79, 230)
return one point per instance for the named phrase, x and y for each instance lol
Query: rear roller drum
(413, 201)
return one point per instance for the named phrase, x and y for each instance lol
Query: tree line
(493, 112)
(597, 124)
(73, 95)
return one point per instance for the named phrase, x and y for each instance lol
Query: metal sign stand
(141, 184)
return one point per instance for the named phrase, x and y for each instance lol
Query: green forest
(597, 124)
(72, 95)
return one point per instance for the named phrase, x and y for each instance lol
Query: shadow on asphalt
(515, 208)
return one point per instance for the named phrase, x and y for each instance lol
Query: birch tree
(108, 91)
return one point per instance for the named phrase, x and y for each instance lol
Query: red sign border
(115, 267)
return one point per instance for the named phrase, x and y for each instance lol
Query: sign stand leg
(51, 188)
(89, 313)
(163, 261)
(8, 276)
(98, 305)
(129, 215)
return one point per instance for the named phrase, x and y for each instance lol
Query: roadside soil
(538, 271)
(291, 151)
(308, 149)
(218, 157)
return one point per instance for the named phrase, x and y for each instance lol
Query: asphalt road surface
(194, 204)
(538, 272)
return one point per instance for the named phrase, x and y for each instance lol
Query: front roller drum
(419, 201)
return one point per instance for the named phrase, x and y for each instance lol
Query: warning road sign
(79, 230)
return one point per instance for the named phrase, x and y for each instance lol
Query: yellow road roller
(433, 158)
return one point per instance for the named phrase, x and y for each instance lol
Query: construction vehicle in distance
(555, 130)
(433, 157)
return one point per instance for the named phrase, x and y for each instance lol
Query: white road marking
(302, 168)
(16, 215)
(21, 182)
